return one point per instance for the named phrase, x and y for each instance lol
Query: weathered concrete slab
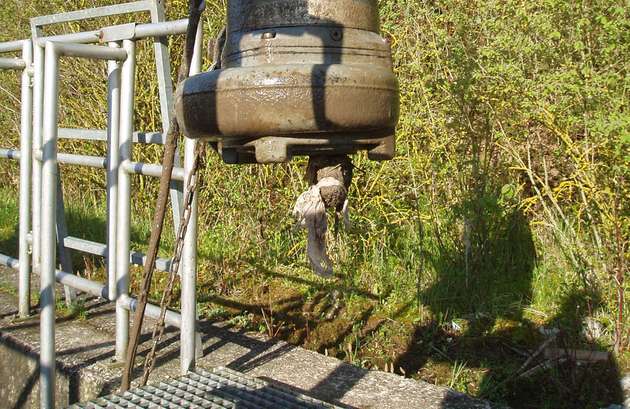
(86, 348)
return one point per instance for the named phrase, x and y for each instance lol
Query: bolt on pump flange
(297, 77)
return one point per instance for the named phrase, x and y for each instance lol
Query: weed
(242, 321)
(458, 377)
(8, 289)
(76, 310)
(213, 312)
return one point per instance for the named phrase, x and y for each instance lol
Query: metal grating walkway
(221, 388)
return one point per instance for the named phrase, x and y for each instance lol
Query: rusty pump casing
(297, 77)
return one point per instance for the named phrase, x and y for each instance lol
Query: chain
(167, 296)
(189, 194)
(196, 8)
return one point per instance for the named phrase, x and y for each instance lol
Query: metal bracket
(118, 33)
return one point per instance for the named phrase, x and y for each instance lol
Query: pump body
(297, 77)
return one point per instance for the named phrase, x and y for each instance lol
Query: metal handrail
(39, 61)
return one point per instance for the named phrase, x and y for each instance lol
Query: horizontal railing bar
(148, 169)
(139, 259)
(98, 52)
(83, 134)
(81, 284)
(85, 246)
(161, 29)
(82, 160)
(10, 154)
(97, 289)
(101, 135)
(12, 64)
(79, 38)
(142, 31)
(10, 46)
(78, 15)
(99, 162)
(8, 261)
(100, 249)
(155, 138)
(172, 318)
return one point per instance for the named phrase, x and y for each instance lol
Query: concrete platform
(85, 349)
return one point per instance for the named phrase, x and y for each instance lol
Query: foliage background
(505, 211)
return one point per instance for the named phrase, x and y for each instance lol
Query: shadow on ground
(477, 340)
(477, 302)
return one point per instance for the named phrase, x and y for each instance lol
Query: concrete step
(86, 369)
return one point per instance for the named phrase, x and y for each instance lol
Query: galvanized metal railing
(40, 191)
(25, 156)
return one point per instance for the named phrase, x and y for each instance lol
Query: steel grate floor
(221, 388)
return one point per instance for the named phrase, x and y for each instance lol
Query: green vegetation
(504, 214)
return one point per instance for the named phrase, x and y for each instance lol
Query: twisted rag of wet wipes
(330, 179)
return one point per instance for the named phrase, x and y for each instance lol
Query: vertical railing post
(37, 133)
(165, 90)
(127, 93)
(38, 115)
(113, 165)
(189, 256)
(26, 154)
(48, 231)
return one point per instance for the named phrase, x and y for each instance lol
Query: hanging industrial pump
(296, 77)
